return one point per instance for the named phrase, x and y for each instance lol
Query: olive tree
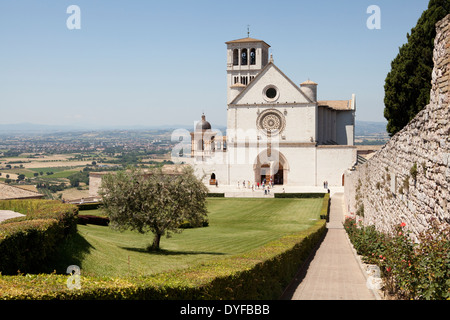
(152, 201)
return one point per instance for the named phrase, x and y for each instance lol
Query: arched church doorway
(212, 180)
(278, 177)
(273, 168)
(265, 174)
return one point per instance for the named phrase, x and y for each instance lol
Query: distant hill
(26, 127)
(362, 128)
(368, 128)
(33, 128)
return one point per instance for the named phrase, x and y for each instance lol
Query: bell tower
(246, 57)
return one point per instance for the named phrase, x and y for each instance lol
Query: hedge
(91, 219)
(216, 195)
(65, 214)
(299, 195)
(89, 206)
(27, 242)
(262, 273)
(325, 210)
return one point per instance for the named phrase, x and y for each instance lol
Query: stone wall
(408, 180)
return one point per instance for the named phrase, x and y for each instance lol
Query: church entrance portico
(273, 168)
(267, 175)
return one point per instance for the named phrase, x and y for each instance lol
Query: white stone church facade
(276, 130)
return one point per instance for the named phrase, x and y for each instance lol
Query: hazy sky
(141, 62)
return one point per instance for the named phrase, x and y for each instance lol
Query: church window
(252, 56)
(271, 93)
(235, 57)
(244, 57)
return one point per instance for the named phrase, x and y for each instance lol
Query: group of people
(266, 186)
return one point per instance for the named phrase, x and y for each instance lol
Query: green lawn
(235, 226)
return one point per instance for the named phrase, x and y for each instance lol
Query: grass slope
(235, 226)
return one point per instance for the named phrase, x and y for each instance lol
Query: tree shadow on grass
(70, 251)
(164, 252)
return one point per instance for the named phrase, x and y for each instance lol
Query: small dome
(308, 82)
(203, 124)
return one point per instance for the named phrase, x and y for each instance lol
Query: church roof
(248, 39)
(336, 104)
(261, 74)
(8, 192)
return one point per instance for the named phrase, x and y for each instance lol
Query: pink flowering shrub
(410, 270)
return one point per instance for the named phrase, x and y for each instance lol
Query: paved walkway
(8, 214)
(334, 273)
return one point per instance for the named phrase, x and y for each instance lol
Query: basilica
(277, 131)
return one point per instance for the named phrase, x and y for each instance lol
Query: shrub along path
(333, 273)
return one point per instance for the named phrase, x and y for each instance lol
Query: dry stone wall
(408, 180)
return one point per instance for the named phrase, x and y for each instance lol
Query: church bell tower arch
(246, 57)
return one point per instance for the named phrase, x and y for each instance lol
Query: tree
(408, 84)
(153, 201)
(78, 177)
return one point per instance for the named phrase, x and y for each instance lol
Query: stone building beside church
(276, 130)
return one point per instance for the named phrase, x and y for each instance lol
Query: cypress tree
(408, 84)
